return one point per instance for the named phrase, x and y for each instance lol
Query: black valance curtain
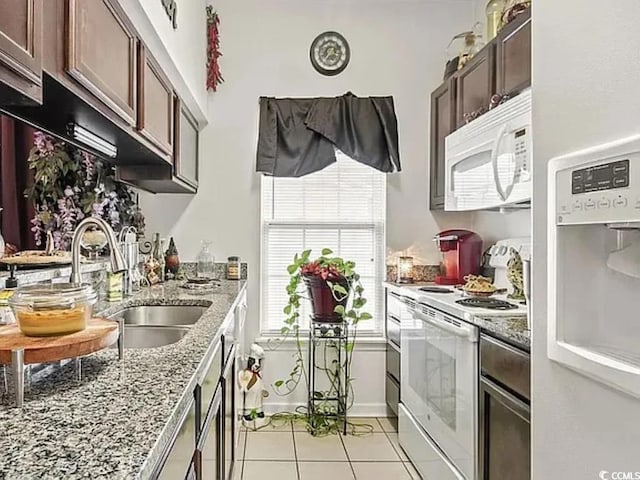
(298, 136)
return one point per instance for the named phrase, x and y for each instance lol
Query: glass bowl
(51, 310)
(94, 242)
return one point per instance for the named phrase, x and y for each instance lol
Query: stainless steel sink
(161, 315)
(151, 326)
(152, 337)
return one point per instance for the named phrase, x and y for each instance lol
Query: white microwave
(488, 162)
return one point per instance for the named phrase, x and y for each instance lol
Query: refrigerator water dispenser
(594, 263)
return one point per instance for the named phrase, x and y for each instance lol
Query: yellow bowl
(46, 323)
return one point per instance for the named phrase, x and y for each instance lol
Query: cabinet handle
(514, 404)
(214, 406)
(229, 367)
(391, 344)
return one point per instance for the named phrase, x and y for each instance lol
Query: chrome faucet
(118, 263)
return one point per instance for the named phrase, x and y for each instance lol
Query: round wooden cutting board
(99, 334)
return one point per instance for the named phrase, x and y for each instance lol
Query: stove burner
(489, 303)
(435, 290)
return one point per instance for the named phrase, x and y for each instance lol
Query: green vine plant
(344, 282)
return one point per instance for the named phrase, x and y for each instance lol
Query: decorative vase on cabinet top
(494, 12)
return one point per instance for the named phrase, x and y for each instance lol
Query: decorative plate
(330, 53)
(37, 258)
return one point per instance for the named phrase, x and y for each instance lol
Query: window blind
(342, 207)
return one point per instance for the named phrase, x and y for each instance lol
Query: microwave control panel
(522, 154)
(605, 191)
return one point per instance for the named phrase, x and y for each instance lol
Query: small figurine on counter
(158, 259)
(171, 260)
(251, 385)
(151, 267)
(515, 276)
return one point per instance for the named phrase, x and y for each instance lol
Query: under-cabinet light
(93, 141)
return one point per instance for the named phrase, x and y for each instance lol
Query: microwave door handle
(494, 162)
(517, 172)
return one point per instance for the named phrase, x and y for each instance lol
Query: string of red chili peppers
(214, 77)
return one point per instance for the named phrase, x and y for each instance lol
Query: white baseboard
(358, 410)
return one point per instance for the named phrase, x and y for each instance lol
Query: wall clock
(330, 53)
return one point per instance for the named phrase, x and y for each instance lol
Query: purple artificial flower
(114, 217)
(88, 162)
(43, 142)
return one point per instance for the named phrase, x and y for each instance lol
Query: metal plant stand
(332, 402)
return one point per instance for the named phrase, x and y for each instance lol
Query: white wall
(479, 12)
(585, 83)
(494, 226)
(397, 49)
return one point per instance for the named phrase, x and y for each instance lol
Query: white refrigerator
(586, 91)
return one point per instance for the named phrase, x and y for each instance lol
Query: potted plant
(333, 286)
(327, 287)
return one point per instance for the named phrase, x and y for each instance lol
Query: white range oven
(488, 162)
(439, 393)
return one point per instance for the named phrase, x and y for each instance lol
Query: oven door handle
(464, 330)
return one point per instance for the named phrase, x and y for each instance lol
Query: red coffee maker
(461, 256)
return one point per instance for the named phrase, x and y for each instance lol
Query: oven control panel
(602, 190)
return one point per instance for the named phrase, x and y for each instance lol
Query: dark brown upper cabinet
(21, 51)
(443, 122)
(186, 156)
(155, 105)
(514, 56)
(101, 54)
(476, 83)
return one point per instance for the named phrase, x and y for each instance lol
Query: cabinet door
(21, 46)
(514, 56)
(229, 399)
(180, 455)
(392, 394)
(208, 453)
(155, 104)
(101, 54)
(186, 156)
(443, 121)
(505, 435)
(210, 382)
(476, 83)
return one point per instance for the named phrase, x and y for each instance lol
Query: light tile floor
(288, 452)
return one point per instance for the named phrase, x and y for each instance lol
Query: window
(343, 208)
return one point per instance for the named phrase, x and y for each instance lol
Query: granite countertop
(513, 330)
(510, 328)
(115, 422)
